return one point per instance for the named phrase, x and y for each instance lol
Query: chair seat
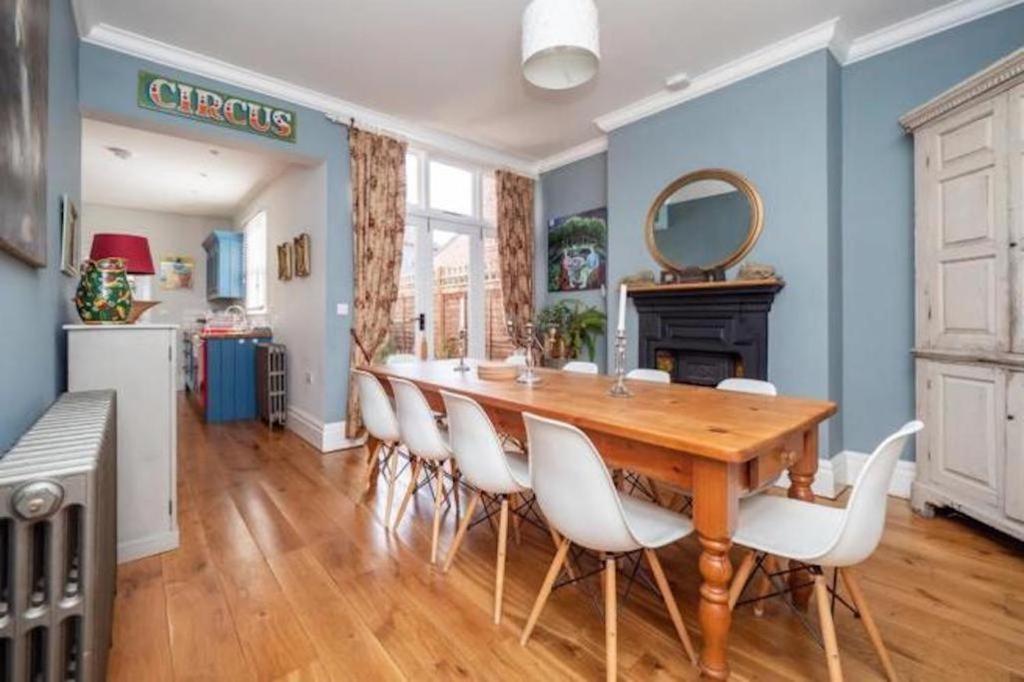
(520, 468)
(653, 525)
(787, 528)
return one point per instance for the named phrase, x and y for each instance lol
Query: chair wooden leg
(413, 480)
(438, 499)
(461, 534)
(659, 499)
(515, 499)
(852, 584)
(741, 578)
(828, 629)
(545, 590)
(454, 468)
(670, 603)
(499, 570)
(391, 468)
(372, 462)
(611, 624)
(764, 585)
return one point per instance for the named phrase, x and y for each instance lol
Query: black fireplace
(703, 333)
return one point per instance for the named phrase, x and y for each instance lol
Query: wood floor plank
(141, 647)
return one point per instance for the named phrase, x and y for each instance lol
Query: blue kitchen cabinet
(225, 265)
(230, 368)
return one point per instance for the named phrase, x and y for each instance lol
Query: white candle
(462, 314)
(622, 308)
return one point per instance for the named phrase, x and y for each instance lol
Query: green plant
(577, 324)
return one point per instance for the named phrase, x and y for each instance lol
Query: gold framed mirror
(704, 223)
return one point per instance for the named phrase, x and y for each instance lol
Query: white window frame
(262, 306)
(475, 226)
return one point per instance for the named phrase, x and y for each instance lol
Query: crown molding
(573, 154)
(793, 47)
(1004, 74)
(126, 42)
(921, 26)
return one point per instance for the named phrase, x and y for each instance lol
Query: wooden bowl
(139, 307)
(497, 371)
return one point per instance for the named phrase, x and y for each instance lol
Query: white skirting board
(840, 471)
(153, 544)
(325, 437)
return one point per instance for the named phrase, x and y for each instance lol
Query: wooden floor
(286, 572)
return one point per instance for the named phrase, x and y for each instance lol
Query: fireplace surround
(704, 332)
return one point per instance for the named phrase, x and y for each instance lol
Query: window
(256, 263)
(451, 189)
(412, 179)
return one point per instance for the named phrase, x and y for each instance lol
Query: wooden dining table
(715, 444)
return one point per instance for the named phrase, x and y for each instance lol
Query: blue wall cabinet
(225, 265)
(231, 378)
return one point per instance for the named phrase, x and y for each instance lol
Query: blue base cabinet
(225, 265)
(230, 391)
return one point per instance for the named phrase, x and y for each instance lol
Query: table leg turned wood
(801, 476)
(716, 504)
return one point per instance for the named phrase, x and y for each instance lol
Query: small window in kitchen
(256, 263)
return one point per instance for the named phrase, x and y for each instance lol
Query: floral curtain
(515, 244)
(378, 222)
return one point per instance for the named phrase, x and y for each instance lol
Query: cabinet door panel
(1015, 156)
(963, 239)
(1013, 483)
(966, 416)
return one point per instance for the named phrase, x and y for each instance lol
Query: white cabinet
(138, 361)
(969, 274)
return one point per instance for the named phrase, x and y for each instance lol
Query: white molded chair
(490, 469)
(826, 537)
(747, 386)
(382, 425)
(657, 376)
(578, 498)
(426, 444)
(400, 359)
(580, 367)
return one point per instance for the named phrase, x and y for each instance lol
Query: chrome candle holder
(525, 338)
(618, 389)
(462, 366)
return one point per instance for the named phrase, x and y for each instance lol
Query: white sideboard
(139, 362)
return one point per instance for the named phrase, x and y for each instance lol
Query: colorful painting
(577, 251)
(176, 272)
(24, 50)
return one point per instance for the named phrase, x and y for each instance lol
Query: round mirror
(703, 223)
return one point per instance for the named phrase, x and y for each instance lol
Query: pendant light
(561, 47)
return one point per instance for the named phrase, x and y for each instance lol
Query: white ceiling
(453, 65)
(168, 173)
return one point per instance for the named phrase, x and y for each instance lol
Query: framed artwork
(176, 272)
(24, 62)
(301, 255)
(70, 237)
(284, 261)
(578, 251)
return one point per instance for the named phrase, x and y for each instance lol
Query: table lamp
(138, 261)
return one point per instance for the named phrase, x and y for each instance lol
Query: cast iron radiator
(58, 504)
(272, 383)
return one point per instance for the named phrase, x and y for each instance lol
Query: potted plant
(568, 326)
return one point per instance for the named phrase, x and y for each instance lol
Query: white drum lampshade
(561, 47)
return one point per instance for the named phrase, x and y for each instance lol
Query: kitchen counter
(256, 333)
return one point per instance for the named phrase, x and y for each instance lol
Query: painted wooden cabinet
(225, 265)
(969, 275)
(139, 362)
(229, 390)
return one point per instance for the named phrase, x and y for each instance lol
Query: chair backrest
(658, 376)
(400, 359)
(516, 359)
(748, 386)
(375, 407)
(573, 486)
(416, 421)
(580, 367)
(865, 513)
(476, 445)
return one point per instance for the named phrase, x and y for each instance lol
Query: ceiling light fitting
(561, 45)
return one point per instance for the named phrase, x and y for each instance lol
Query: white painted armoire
(969, 347)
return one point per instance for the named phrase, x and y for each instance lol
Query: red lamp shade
(134, 249)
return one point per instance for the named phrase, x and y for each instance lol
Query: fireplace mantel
(704, 332)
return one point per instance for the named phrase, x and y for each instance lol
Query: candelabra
(462, 366)
(618, 389)
(527, 339)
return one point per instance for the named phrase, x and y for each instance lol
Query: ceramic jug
(104, 294)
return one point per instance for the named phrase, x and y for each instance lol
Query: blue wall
(108, 91)
(878, 212)
(573, 188)
(36, 302)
